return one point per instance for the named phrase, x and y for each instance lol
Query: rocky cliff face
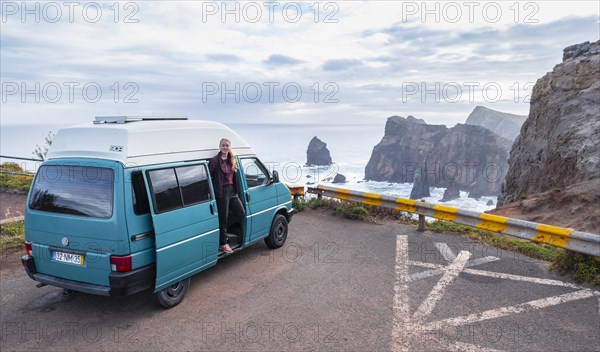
(554, 165)
(501, 123)
(559, 145)
(472, 157)
(317, 153)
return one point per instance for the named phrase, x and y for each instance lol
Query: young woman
(223, 168)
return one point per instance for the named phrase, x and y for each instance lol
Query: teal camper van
(123, 205)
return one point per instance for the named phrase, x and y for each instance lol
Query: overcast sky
(280, 62)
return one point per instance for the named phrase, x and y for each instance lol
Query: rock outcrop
(559, 144)
(470, 156)
(339, 178)
(501, 123)
(317, 153)
(451, 193)
(420, 186)
(554, 165)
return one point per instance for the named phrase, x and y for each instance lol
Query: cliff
(554, 164)
(501, 123)
(472, 157)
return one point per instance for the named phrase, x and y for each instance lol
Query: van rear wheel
(278, 233)
(171, 296)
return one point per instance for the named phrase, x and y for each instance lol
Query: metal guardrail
(16, 173)
(573, 240)
(28, 174)
(19, 158)
(296, 191)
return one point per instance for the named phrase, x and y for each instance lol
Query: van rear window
(75, 190)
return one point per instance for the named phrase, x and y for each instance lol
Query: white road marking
(400, 334)
(406, 328)
(522, 278)
(467, 347)
(426, 265)
(438, 291)
(504, 311)
(445, 251)
(440, 268)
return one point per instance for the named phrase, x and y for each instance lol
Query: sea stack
(317, 153)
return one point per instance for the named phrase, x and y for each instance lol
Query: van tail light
(28, 248)
(120, 263)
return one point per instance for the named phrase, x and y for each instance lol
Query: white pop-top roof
(139, 143)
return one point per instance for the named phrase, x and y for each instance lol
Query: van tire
(171, 296)
(278, 233)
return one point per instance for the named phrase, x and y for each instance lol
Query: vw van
(124, 204)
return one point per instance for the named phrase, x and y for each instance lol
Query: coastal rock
(489, 202)
(339, 178)
(559, 145)
(420, 186)
(474, 194)
(501, 123)
(470, 156)
(413, 119)
(317, 153)
(451, 193)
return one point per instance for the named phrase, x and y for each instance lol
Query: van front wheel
(171, 296)
(278, 233)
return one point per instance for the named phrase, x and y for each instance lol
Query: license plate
(68, 258)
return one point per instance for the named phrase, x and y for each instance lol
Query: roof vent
(126, 119)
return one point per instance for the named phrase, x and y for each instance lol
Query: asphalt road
(336, 285)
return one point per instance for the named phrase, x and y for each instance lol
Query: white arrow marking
(445, 251)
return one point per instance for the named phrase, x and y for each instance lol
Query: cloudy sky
(280, 62)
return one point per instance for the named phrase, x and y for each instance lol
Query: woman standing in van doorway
(223, 169)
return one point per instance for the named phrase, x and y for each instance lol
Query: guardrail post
(421, 227)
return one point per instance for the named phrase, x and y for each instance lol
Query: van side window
(254, 172)
(176, 188)
(140, 197)
(193, 181)
(165, 190)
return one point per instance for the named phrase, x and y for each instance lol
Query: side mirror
(275, 176)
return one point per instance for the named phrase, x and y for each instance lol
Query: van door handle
(212, 209)
(247, 197)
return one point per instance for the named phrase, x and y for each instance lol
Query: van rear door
(186, 225)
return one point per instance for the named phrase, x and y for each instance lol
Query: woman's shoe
(225, 248)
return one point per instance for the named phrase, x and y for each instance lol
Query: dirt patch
(12, 204)
(575, 207)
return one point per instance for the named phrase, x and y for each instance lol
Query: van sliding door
(186, 224)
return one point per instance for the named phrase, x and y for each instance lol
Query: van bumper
(121, 284)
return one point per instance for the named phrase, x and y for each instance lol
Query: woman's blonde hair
(233, 164)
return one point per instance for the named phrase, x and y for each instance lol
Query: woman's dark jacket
(214, 166)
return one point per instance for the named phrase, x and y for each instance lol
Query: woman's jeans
(230, 210)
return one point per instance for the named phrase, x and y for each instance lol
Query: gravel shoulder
(12, 204)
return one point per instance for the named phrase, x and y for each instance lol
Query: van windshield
(75, 190)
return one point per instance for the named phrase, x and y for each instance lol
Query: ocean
(283, 148)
